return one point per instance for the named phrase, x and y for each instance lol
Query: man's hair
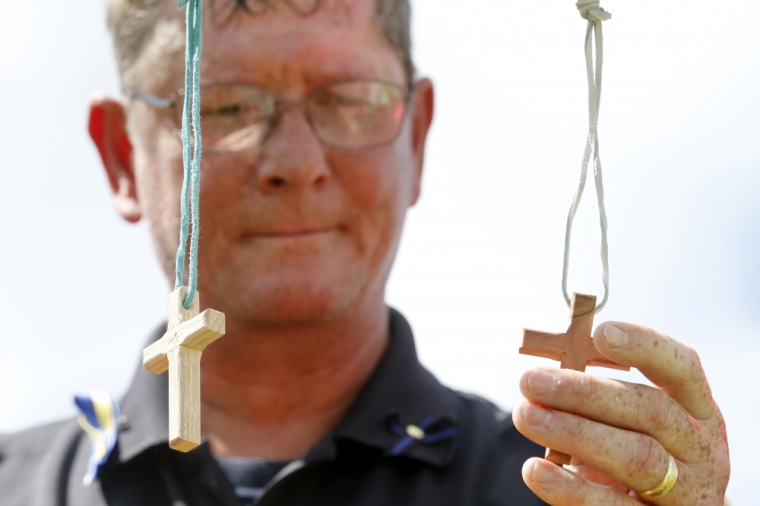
(135, 27)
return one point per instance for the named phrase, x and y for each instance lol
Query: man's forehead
(222, 14)
(334, 17)
(340, 38)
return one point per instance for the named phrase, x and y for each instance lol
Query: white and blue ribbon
(99, 417)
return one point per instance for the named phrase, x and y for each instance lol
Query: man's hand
(620, 434)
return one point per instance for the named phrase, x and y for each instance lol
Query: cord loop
(590, 10)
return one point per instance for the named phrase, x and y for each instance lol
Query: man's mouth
(291, 233)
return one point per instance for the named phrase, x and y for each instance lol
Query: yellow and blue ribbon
(99, 418)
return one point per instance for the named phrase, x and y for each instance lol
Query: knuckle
(645, 456)
(577, 428)
(692, 358)
(591, 494)
(720, 427)
(657, 412)
(585, 389)
(686, 358)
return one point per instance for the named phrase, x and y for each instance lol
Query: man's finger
(669, 364)
(629, 406)
(636, 460)
(560, 487)
(594, 475)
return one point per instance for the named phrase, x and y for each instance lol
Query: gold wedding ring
(666, 484)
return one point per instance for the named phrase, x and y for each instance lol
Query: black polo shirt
(368, 460)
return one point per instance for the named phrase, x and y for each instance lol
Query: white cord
(591, 11)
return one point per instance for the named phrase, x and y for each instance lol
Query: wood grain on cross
(574, 349)
(179, 352)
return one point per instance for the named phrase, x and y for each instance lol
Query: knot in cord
(590, 10)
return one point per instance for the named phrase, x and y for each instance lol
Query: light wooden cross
(574, 349)
(179, 352)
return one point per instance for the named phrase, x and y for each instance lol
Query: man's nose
(292, 157)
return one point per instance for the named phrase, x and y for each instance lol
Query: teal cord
(191, 184)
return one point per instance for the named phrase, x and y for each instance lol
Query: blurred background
(481, 256)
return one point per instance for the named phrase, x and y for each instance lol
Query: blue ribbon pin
(430, 430)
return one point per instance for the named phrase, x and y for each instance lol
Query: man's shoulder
(36, 442)
(39, 455)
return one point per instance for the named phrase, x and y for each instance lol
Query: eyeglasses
(348, 115)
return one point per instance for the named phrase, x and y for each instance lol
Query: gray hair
(137, 31)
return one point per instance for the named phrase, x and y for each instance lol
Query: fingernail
(541, 382)
(535, 415)
(616, 337)
(540, 473)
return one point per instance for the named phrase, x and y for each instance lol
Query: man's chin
(289, 313)
(287, 305)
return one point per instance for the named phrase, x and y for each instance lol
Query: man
(314, 135)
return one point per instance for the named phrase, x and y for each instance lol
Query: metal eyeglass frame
(176, 101)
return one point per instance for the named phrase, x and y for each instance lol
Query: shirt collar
(400, 385)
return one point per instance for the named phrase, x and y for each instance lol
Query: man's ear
(108, 130)
(422, 118)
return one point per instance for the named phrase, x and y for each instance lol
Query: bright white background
(481, 255)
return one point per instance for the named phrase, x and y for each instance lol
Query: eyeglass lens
(346, 115)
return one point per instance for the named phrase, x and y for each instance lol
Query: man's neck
(274, 392)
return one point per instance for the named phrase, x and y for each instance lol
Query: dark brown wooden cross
(574, 349)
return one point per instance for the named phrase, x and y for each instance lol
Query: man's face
(294, 231)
